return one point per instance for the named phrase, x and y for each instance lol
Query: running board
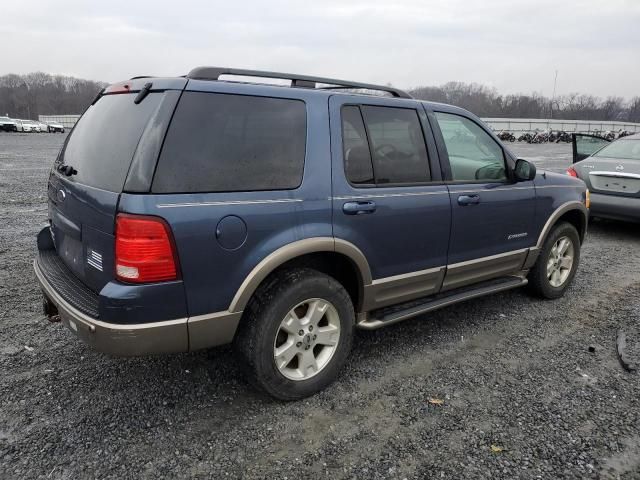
(397, 313)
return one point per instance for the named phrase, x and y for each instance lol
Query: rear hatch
(90, 173)
(614, 170)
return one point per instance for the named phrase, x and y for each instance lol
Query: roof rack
(303, 81)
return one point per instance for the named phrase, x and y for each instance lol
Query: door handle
(464, 200)
(358, 208)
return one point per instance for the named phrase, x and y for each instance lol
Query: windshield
(627, 149)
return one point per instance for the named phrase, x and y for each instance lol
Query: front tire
(558, 262)
(296, 333)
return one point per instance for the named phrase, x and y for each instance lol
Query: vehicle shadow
(615, 228)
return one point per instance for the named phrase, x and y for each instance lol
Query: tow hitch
(50, 310)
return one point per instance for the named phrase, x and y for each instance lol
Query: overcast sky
(514, 46)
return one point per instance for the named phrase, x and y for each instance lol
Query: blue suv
(198, 211)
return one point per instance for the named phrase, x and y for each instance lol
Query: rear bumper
(614, 207)
(169, 336)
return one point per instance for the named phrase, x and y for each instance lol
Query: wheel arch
(573, 212)
(337, 258)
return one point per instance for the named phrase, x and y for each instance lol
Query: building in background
(67, 121)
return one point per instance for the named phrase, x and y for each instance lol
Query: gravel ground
(522, 395)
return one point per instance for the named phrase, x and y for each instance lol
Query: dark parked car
(8, 125)
(611, 171)
(192, 212)
(55, 127)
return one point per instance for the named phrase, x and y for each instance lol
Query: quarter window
(473, 154)
(357, 157)
(225, 143)
(389, 150)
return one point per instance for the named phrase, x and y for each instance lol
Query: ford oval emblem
(61, 196)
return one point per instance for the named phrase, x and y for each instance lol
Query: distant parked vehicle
(611, 171)
(525, 137)
(624, 133)
(540, 137)
(8, 125)
(506, 136)
(30, 126)
(55, 127)
(563, 136)
(19, 127)
(44, 128)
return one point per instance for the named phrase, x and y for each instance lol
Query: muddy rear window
(226, 143)
(104, 140)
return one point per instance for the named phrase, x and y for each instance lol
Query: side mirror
(524, 170)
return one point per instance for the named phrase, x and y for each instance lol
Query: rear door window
(102, 143)
(397, 145)
(384, 145)
(225, 143)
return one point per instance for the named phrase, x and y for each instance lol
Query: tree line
(487, 102)
(38, 93)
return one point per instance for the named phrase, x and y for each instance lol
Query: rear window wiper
(143, 93)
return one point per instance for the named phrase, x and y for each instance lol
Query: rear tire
(557, 264)
(296, 333)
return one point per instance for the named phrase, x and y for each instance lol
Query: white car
(30, 126)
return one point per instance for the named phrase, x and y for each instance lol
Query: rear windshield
(624, 149)
(225, 143)
(102, 143)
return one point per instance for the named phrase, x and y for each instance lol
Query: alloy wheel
(560, 262)
(307, 339)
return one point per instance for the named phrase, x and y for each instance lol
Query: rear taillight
(145, 251)
(571, 172)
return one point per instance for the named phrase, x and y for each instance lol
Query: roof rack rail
(304, 81)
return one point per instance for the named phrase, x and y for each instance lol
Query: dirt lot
(514, 373)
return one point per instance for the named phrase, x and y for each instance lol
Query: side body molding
(294, 250)
(558, 212)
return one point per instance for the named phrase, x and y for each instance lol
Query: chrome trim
(389, 195)
(616, 174)
(489, 190)
(484, 259)
(485, 268)
(95, 260)
(558, 186)
(229, 202)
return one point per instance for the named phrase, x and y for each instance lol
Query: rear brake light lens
(118, 88)
(145, 251)
(571, 172)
